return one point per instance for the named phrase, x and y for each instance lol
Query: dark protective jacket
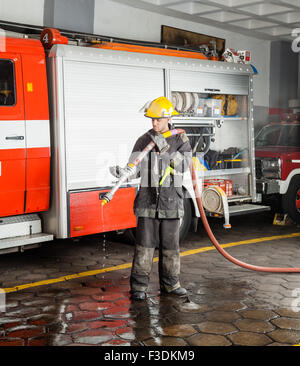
(166, 200)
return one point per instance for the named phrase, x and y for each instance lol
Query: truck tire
(291, 200)
(185, 222)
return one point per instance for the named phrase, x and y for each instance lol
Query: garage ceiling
(268, 19)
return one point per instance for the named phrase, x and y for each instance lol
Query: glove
(160, 142)
(117, 171)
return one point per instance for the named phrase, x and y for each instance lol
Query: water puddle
(101, 313)
(189, 305)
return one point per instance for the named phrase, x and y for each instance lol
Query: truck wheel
(128, 237)
(291, 200)
(185, 222)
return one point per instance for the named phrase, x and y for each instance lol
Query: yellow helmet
(160, 108)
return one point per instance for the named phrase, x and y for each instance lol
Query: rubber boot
(138, 295)
(141, 269)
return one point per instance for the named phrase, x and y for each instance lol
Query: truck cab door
(12, 136)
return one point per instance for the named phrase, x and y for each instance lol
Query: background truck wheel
(185, 222)
(291, 200)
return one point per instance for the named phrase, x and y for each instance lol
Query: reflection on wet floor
(98, 311)
(226, 305)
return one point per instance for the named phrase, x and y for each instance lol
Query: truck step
(19, 242)
(14, 226)
(246, 209)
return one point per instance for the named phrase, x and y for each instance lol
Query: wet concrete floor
(226, 304)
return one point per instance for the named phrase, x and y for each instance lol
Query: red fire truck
(69, 110)
(278, 165)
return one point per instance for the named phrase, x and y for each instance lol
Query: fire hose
(131, 169)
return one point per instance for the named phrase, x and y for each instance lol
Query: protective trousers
(156, 233)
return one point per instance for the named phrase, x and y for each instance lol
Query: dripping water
(103, 242)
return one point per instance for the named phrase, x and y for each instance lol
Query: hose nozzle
(105, 199)
(104, 202)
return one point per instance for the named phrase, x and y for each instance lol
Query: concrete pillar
(298, 75)
(284, 69)
(73, 15)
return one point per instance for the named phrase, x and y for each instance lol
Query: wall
(20, 11)
(298, 94)
(75, 15)
(283, 77)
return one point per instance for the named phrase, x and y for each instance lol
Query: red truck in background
(277, 158)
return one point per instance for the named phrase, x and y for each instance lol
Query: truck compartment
(88, 216)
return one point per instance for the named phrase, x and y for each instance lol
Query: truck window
(279, 135)
(7, 83)
(268, 136)
(293, 138)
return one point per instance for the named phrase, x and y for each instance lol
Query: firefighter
(158, 205)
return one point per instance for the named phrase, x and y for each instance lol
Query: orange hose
(218, 246)
(149, 49)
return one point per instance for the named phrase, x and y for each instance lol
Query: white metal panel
(102, 118)
(90, 54)
(231, 133)
(9, 130)
(13, 226)
(21, 241)
(209, 82)
(37, 133)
